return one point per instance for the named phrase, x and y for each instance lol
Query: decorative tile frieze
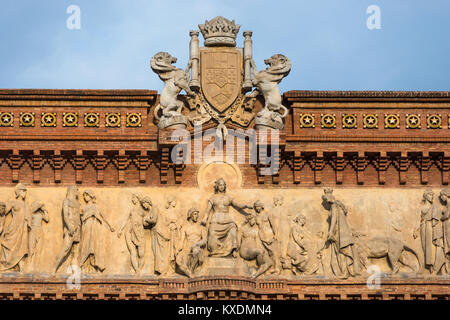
(370, 121)
(134, 119)
(70, 119)
(328, 121)
(307, 120)
(91, 119)
(48, 119)
(27, 119)
(391, 121)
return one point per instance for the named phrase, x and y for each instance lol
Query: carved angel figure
(175, 80)
(266, 83)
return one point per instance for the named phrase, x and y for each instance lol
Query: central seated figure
(222, 240)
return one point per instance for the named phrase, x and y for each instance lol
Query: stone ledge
(230, 287)
(404, 96)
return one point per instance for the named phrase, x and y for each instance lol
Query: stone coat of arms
(217, 79)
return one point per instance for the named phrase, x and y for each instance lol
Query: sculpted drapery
(15, 236)
(181, 247)
(166, 235)
(431, 233)
(340, 238)
(92, 220)
(222, 229)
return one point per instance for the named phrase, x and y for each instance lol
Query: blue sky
(327, 41)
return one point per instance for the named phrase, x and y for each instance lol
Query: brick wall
(407, 148)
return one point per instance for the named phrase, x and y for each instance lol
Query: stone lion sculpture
(266, 83)
(175, 80)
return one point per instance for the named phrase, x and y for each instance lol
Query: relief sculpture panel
(287, 233)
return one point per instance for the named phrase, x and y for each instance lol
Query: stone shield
(221, 76)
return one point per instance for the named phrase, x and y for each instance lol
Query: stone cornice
(371, 96)
(233, 287)
(75, 94)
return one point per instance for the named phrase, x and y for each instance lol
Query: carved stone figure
(137, 218)
(431, 235)
(392, 249)
(266, 83)
(92, 219)
(175, 80)
(267, 235)
(340, 238)
(250, 246)
(193, 242)
(302, 254)
(281, 221)
(222, 229)
(36, 235)
(445, 196)
(2, 216)
(14, 244)
(71, 228)
(166, 237)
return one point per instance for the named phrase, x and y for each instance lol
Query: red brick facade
(135, 154)
(223, 288)
(348, 139)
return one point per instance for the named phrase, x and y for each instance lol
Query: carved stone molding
(235, 288)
